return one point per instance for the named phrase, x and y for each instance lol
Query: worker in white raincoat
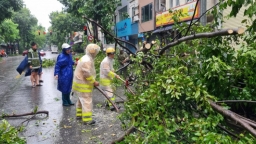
(107, 74)
(83, 83)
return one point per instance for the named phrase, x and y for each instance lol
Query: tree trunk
(203, 35)
(147, 46)
(243, 122)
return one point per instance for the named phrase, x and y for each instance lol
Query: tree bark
(147, 46)
(130, 130)
(203, 35)
(233, 116)
(236, 101)
(25, 114)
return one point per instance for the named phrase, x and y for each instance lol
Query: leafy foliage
(9, 31)
(48, 63)
(8, 7)
(172, 101)
(27, 25)
(101, 11)
(9, 134)
(64, 24)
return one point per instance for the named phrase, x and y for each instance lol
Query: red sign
(90, 38)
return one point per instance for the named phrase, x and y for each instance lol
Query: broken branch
(236, 101)
(25, 114)
(117, 39)
(203, 35)
(233, 116)
(130, 130)
(117, 110)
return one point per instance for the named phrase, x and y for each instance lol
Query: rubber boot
(64, 100)
(68, 99)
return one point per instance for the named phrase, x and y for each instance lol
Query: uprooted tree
(184, 89)
(176, 97)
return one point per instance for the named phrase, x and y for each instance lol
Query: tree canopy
(101, 11)
(63, 25)
(7, 7)
(9, 31)
(28, 28)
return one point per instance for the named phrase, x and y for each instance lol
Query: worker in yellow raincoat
(107, 74)
(83, 83)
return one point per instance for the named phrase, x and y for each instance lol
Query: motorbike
(3, 54)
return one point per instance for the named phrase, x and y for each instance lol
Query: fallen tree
(203, 35)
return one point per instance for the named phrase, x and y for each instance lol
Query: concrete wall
(233, 22)
(229, 22)
(124, 3)
(149, 25)
(182, 2)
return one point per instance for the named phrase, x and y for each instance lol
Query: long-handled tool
(104, 93)
(126, 85)
(123, 67)
(115, 94)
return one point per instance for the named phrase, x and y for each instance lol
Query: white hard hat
(65, 46)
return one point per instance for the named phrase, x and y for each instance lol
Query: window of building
(189, 1)
(122, 13)
(133, 13)
(171, 3)
(157, 9)
(146, 13)
(177, 2)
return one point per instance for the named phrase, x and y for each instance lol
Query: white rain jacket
(85, 74)
(106, 72)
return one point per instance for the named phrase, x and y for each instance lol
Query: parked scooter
(3, 54)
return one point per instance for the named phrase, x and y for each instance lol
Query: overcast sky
(41, 9)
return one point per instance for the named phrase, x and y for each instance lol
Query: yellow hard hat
(110, 50)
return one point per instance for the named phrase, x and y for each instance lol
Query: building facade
(127, 23)
(146, 20)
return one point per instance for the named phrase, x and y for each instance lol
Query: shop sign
(187, 10)
(124, 28)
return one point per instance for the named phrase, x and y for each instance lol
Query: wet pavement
(61, 127)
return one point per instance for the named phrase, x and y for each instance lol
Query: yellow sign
(187, 10)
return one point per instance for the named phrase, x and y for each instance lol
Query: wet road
(61, 127)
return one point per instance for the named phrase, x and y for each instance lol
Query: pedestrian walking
(84, 81)
(34, 61)
(107, 74)
(40, 72)
(64, 73)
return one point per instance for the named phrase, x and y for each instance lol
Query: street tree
(7, 7)
(63, 26)
(39, 39)
(101, 11)
(26, 24)
(8, 31)
(202, 90)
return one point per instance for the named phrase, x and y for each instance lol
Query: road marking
(18, 76)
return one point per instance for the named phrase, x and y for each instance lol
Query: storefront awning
(158, 30)
(162, 29)
(168, 27)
